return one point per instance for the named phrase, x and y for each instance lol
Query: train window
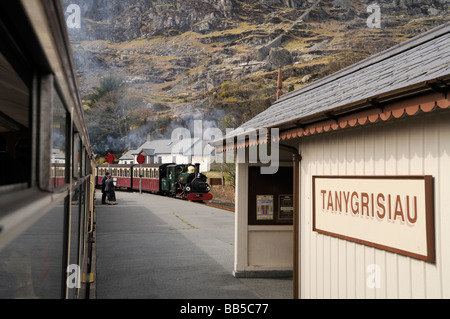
(32, 262)
(76, 156)
(89, 169)
(83, 163)
(75, 221)
(15, 141)
(59, 115)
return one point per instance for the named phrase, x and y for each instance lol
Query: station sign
(394, 213)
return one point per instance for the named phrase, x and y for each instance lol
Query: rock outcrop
(179, 53)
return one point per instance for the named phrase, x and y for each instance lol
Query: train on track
(47, 180)
(177, 180)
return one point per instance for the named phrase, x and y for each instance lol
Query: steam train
(182, 181)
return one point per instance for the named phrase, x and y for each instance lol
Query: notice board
(264, 196)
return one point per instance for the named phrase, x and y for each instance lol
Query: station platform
(156, 247)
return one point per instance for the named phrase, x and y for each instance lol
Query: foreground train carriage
(177, 180)
(46, 167)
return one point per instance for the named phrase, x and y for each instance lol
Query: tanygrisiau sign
(393, 213)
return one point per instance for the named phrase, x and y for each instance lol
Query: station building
(360, 205)
(165, 151)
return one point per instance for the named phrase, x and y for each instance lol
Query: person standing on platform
(104, 194)
(110, 190)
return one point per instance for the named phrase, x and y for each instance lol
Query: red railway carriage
(58, 175)
(148, 175)
(130, 176)
(121, 174)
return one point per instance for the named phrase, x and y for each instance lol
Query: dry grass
(223, 195)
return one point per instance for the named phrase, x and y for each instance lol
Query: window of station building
(59, 133)
(270, 197)
(15, 130)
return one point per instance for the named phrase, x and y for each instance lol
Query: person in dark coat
(103, 187)
(110, 190)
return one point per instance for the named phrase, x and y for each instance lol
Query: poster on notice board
(264, 207)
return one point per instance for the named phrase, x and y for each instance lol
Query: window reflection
(15, 142)
(74, 235)
(58, 157)
(31, 265)
(76, 156)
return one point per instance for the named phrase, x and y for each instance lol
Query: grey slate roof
(148, 151)
(127, 156)
(187, 146)
(420, 59)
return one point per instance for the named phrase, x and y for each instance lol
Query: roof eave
(441, 85)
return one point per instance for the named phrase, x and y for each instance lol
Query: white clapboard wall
(337, 268)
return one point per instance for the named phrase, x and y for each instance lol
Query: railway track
(215, 205)
(231, 209)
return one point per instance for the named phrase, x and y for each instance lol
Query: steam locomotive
(177, 180)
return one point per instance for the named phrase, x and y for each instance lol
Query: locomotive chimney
(197, 169)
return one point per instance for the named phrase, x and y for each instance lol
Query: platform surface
(155, 247)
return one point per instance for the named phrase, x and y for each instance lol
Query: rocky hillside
(216, 60)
